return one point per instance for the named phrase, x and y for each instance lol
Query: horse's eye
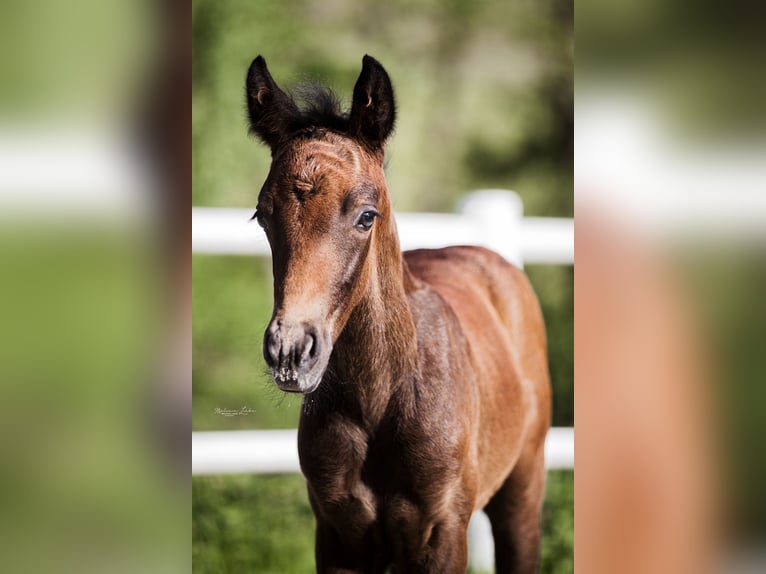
(365, 220)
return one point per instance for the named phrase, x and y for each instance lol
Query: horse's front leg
(333, 555)
(337, 553)
(346, 538)
(446, 551)
(426, 541)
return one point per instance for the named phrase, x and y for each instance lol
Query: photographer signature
(233, 412)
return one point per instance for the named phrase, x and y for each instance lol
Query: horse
(424, 373)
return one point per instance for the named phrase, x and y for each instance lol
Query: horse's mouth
(291, 381)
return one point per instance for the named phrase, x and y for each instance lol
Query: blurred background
(95, 291)
(95, 265)
(670, 191)
(485, 98)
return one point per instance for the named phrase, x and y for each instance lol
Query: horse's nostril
(314, 345)
(309, 348)
(290, 347)
(271, 348)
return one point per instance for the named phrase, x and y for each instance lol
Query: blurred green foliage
(79, 81)
(484, 91)
(699, 59)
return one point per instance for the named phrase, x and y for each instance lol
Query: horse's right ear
(269, 108)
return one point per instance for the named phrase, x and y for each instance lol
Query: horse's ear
(269, 108)
(373, 110)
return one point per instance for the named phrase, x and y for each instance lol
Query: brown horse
(424, 373)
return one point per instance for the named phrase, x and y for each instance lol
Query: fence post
(498, 215)
(481, 545)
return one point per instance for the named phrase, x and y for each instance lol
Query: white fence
(491, 218)
(276, 452)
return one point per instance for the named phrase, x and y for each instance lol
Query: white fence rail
(275, 451)
(491, 218)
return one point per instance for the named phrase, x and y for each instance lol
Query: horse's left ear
(373, 110)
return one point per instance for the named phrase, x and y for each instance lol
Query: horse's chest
(385, 481)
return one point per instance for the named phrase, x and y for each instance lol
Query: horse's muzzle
(294, 354)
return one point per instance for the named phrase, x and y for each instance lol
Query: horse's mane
(317, 106)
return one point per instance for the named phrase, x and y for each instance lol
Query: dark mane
(318, 107)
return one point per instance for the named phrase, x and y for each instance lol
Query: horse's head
(325, 209)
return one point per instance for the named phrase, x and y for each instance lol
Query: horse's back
(475, 282)
(501, 319)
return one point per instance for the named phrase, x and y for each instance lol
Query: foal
(424, 373)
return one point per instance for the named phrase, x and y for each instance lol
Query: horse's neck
(377, 350)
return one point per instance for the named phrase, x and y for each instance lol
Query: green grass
(263, 524)
(251, 524)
